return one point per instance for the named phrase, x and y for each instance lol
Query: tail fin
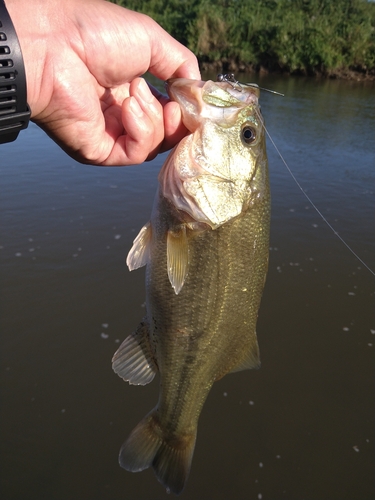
(170, 456)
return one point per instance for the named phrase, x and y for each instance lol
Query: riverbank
(231, 66)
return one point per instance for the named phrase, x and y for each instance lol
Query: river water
(301, 427)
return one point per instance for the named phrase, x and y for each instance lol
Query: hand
(83, 59)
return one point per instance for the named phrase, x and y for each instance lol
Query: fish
(206, 254)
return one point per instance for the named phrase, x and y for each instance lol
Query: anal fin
(251, 361)
(133, 360)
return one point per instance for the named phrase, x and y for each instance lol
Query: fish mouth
(199, 100)
(188, 94)
(182, 87)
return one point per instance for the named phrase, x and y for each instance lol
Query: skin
(83, 59)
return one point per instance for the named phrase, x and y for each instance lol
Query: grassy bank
(328, 37)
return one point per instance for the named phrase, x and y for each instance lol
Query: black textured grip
(14, 111)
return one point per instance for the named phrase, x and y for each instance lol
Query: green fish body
(206, 251)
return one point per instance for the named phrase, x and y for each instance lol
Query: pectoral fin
(177, 257)
(251, 361)
(133, 360)
(140, 251)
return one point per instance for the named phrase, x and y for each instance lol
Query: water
(301, 427)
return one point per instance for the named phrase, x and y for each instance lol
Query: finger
(139, 129)
(153, 110)
(130, 147)
(174, 129)
(148, 47)
(169, 58)
(142, 119)
(142, 127)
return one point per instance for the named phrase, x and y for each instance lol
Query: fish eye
(248, 134)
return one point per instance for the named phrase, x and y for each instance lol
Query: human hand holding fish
(206, 255)
(83, 61)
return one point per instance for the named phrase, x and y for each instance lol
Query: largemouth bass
(206, 251)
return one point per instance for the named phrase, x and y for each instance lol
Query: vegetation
(295, 36)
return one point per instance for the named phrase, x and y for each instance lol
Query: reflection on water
(299, 428)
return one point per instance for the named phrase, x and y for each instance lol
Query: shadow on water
(301, 427)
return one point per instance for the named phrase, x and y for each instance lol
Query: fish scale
(205, 272)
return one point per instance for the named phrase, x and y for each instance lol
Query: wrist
(14, 111)
(27, 18)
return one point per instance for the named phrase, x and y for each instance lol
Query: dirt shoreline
(225, 66)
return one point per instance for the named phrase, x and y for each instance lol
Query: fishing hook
(229, 78)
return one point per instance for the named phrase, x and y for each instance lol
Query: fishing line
(313, 204)
(230, 78)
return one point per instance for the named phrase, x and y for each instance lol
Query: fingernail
(144, 92)
(135, 107)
